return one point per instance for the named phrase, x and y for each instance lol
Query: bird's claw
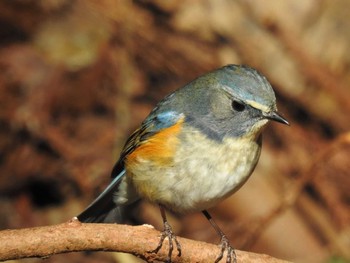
(231, 254)
(168, 233)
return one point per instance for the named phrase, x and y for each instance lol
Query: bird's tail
(103, 209)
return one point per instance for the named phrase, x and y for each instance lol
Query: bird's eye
(238, 106)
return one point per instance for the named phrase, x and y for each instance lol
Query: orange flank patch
(158, 149)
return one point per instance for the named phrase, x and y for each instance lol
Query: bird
(198, 146)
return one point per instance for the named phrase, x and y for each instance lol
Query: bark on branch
(138, 240)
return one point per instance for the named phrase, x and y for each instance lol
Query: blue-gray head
(230, 101)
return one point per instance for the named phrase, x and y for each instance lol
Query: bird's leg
(224, 243)
(167, 232)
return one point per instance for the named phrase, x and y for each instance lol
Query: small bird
(198, 146)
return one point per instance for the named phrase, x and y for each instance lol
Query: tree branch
(74, 236)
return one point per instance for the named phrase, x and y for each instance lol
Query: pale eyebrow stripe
(258, 106)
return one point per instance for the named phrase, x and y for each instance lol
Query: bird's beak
(275, 116)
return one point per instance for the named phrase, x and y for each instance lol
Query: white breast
(203, 172)
(207, 171)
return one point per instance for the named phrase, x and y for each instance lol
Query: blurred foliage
(337, 260)
(78, 76)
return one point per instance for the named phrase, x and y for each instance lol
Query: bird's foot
(231, 254)
(168, 233)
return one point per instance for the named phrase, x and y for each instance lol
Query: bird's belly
(201, 174)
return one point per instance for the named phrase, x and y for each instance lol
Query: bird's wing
(103, 209)
(151, 126)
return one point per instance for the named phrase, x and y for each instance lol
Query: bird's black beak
(275, 116)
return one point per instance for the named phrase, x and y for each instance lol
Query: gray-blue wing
(154, 123)
(103, 209)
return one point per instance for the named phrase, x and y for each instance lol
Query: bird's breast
(198, 173)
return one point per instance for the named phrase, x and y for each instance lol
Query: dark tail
(103, 209)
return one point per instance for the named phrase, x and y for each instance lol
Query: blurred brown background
(76, 77)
